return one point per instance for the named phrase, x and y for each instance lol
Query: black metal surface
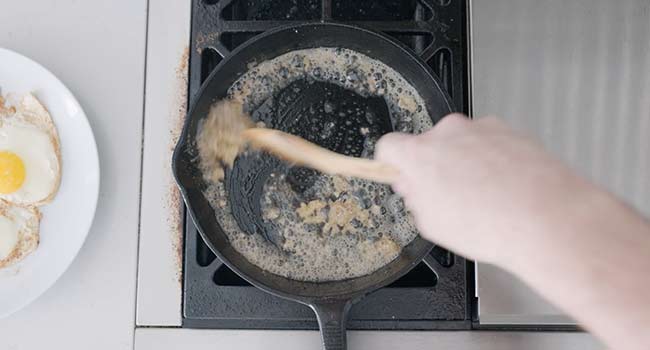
(215, 297)
(301, 109)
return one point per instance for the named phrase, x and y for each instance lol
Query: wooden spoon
(304, 153)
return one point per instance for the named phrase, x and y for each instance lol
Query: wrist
(561, 225)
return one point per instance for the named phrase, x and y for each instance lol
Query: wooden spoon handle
(302, 152)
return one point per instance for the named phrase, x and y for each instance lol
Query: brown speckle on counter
(173, 201)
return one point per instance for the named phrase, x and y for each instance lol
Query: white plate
(67, 219)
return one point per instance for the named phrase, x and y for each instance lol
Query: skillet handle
(332, 317)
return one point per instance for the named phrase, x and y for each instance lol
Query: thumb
(390, 147)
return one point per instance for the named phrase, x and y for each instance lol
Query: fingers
(458, 118)
(452, 123)
(391, 147)
(408, 152)
(457, 121)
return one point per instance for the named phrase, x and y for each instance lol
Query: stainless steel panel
(506, 300)
(576, 75)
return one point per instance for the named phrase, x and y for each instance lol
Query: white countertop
(97, 48)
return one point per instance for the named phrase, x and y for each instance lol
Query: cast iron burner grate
(436, 293)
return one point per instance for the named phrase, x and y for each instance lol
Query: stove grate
(436, 294)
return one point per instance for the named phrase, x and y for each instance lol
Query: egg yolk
(12, 172)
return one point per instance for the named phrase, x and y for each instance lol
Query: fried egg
(18, 232)
(30, 169)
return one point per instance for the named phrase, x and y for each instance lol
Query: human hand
(491, 194)
(479, 188)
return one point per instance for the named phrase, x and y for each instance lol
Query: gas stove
(182, 286)
(439, 292)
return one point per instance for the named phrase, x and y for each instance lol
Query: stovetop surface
(436, 294)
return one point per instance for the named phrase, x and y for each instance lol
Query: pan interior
(326, 227)
(320, 112)
(268, 46)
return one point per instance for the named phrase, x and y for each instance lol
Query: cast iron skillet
(330, 300)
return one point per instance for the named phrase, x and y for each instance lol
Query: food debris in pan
(219, 140)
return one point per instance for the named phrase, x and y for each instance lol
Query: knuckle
(452, 122)
(390, 144)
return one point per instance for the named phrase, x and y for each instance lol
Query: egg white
(8, 236)
(36, 149)
(19, 235)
